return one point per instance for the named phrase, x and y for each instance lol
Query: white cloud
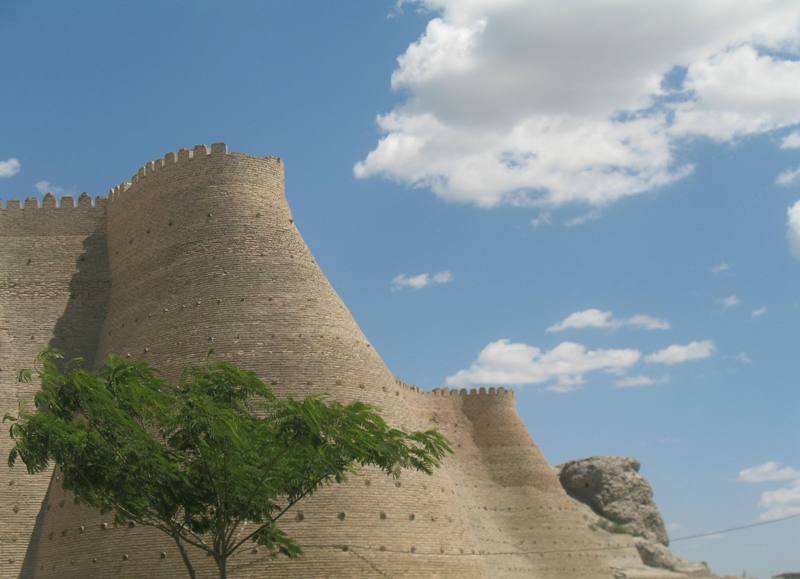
(595, 318)
(442, 277)
(543, 218)
(777, 503)
(721, 267)
(48, 187)
(421, 280)
(9, 167)
(758, 312)
(507, 363)
(543, 102)
(729, 301)
(787, 177)
(647, 322)
(678, 354)
(591, 318)
(782, 502)
(582, 219)
(565, 367)
(793, 228)
(791, 141)
(744, 358)
(739, 92)
(768, 472)
(636, 381)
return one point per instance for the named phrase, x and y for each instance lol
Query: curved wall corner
(204, 254)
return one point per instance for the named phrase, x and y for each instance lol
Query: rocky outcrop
(614, 489)
(623, 501)
(655, 554)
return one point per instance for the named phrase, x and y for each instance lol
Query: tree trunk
(185, 557)
(222, 565)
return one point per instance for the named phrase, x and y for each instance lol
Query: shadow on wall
(77, 334)
(77, 331)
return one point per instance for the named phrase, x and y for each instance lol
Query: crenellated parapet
(474, 392)
(50, 201)
(409, 387)
(51, 217)
(176, 160)
(471, 392)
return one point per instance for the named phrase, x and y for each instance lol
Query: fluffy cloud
(791, 141)
(564, 368)
(9, 167)
(545, 103)
(781, 502)
(591, 318)
(647, 322)
(543, 218)
(793, 228)
(507, 363)
(421, 280)
(737, 93)
(767, 472)
(594, 318)
(582, 219)
(729, 301)
(678, 354)
(787, 177)
(758, 312)
(48, 187)
(637, 381)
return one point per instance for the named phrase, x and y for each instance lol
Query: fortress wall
(513, 496)
(54, 282)
(213, 260)
(204, 253)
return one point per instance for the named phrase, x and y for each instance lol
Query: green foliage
(201, 458)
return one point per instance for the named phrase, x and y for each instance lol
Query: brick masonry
(199, 250)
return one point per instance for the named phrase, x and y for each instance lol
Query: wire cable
(351, 548)
(732, 529)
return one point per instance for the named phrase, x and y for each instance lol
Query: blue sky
(520, 163)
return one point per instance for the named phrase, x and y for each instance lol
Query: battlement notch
(475, 392)
(173, 159)
(51, 202)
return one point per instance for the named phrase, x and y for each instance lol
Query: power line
(343, 547)
(739, 528)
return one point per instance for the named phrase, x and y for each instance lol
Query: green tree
(213, 461)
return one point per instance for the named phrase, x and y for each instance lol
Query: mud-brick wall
(528, 526)
(204, 254)
(54, 284)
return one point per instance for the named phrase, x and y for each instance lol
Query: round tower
(204, 254)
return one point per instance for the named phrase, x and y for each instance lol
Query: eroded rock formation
(614, 489)
(623, 501)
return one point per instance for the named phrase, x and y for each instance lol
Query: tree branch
(283, 511)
